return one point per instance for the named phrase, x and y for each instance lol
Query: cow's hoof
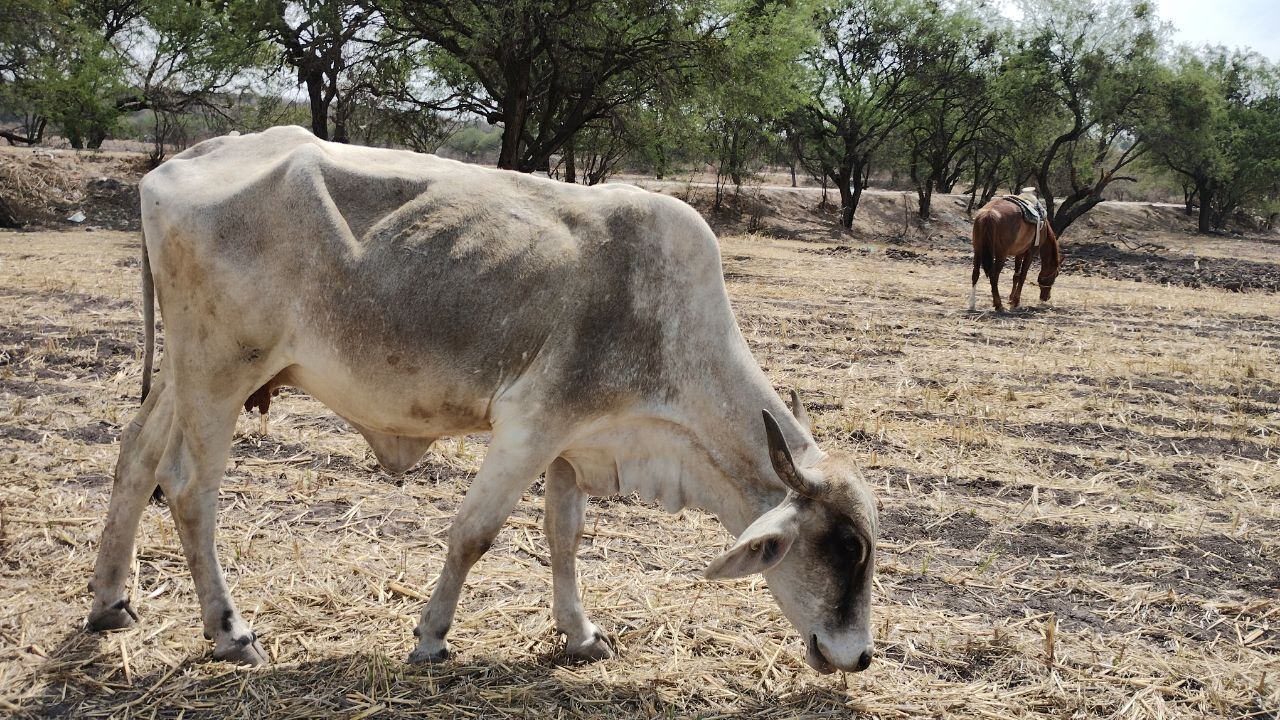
(245, 650)
(117, 617)
(595, 648)
(429, 655)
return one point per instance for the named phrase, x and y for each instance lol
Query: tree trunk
(850, 187)
(852, 181)
(570, 172)
(319, 108)
(1205, 222)
(341, 116)
(513, 117)
(1063, 219)
(97, 134)
(848, 205)
(926, 200)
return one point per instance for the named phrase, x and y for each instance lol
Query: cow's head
(817, 551)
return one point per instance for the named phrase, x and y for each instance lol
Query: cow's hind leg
(190, 473)
(565, 508)
(141, 445)
(514, 459)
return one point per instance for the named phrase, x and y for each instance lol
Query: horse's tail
(984, 243)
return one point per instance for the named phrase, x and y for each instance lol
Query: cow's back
(409, 268)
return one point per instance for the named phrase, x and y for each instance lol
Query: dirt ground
(1081, 516)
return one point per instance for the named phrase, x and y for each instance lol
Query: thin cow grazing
(588, 330)
(999, 232)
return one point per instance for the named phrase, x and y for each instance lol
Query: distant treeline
(1078, 98)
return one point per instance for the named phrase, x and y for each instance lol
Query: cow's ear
(762, 545)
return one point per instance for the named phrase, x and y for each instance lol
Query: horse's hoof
(117, 617)
(429, 656)
(595, 648)
(241, 651)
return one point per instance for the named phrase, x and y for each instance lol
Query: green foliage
(1216, 127)
(961, 106)
(867, 78)
(1072, 97)
(545, 70)
(1078, 84)
(751, 85)
(82, 66)
(475, 143)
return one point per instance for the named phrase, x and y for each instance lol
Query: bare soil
(1081, 515)
(42, 188)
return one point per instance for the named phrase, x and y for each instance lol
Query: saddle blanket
(1032, 209)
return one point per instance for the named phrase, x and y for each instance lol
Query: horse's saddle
(1032, 209)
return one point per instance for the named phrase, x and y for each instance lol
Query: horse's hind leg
(973, 284)
(993, 273)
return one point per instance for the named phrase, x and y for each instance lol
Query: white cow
(587, 329)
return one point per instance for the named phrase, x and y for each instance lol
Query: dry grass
(1081, 513)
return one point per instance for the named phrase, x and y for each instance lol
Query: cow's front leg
(566, 505)
(190, 472)
(513, 461)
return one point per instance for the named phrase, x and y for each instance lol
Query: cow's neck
(705, 450)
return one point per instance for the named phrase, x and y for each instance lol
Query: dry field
(1081, 517)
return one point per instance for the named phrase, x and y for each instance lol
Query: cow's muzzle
(855, 657)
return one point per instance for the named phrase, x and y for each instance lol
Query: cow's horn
(797, 409)
(804, 483)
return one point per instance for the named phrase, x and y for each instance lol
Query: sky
(1233, 23)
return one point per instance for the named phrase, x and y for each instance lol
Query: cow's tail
(149, 320)
(149, 333)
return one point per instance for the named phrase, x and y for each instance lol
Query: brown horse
(1000, 232)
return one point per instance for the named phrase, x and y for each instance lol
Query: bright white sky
(1233, 23)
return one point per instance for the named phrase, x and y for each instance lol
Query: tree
(862, 88)
(1211, 129)
(545, 70)
(182, 57)
(748, 89)
(326, 43)
(59, 66)
(82, 65)
(959, 104)
(1082, 78)
(25, 36)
